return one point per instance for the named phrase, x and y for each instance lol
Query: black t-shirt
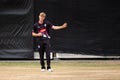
(43, 28)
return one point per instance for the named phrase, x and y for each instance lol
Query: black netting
(93, 25)
(16, 21)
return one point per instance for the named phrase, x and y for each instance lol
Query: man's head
(42, 16)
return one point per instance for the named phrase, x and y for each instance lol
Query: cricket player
(41, 31)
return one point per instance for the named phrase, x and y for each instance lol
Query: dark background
(16, 21)
(93, 25)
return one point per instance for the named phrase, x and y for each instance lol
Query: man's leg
(47, 50)
(41, 54)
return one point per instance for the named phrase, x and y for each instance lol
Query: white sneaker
(50, 70)
(42, 70)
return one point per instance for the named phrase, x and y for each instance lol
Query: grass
(68, 70)
(63, 63)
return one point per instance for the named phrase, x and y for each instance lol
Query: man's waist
(43, 38)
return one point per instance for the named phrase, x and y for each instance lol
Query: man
(41, 31)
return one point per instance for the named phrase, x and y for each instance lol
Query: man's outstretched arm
(59, 27)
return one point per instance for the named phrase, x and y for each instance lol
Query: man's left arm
(59, 27)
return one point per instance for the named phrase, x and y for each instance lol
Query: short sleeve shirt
(43, 28)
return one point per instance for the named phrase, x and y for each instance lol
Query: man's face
(41, 17)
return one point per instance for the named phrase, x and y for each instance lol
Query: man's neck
(41, 22)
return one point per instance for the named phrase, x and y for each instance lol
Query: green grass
(24, 64)
(64, 63)
(68, 70)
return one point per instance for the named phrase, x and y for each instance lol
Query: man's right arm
(36, 34)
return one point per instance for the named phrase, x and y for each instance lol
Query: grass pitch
(62, 70)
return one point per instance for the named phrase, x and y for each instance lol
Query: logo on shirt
(43, 30)
(45, 25)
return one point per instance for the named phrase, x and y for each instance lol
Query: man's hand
(36, 34)
(64, 25)
(39, 34)
(59, 27)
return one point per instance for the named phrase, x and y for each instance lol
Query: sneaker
(49, 70)
(42, 70)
